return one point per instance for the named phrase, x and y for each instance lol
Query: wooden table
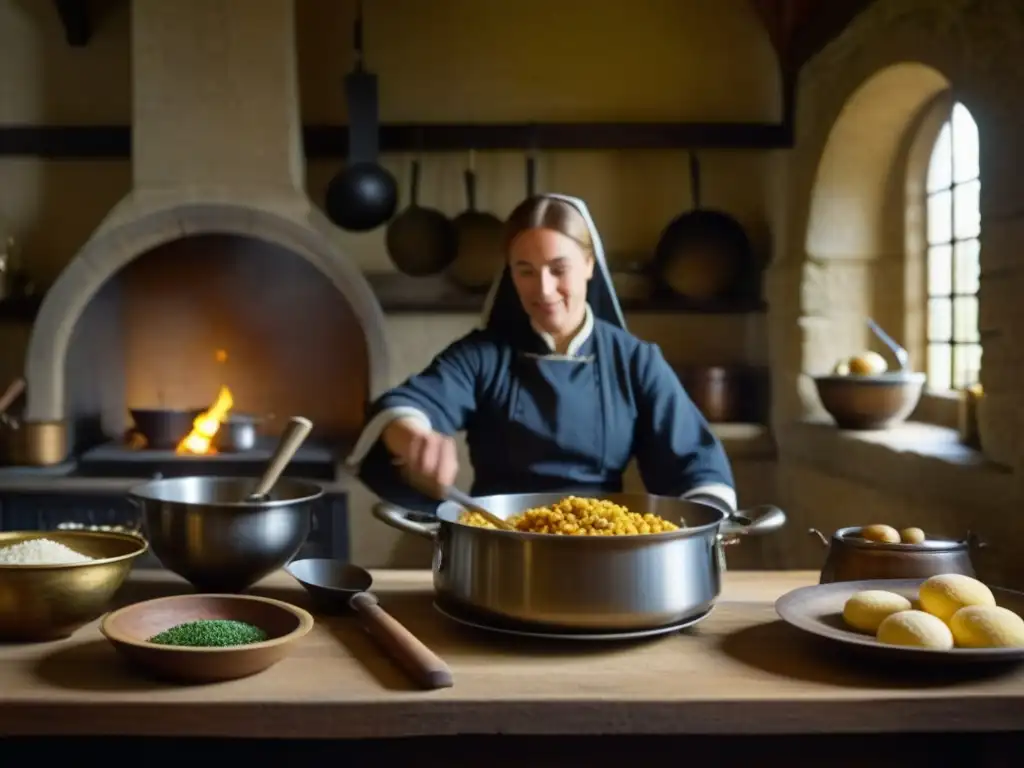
(740, 673)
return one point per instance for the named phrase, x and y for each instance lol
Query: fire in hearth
(199, 441)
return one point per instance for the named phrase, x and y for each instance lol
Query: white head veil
(502, 308)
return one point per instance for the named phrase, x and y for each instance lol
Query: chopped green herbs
(210, 633)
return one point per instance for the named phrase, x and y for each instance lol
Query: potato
(912, 536)
(987, 626)
(916, 629)
(864, 611)
(944, 595)
(884, 534)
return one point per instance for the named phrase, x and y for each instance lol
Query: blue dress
(536, 421)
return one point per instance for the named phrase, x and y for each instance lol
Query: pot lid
(850, 537)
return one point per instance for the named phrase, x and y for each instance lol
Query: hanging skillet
(421, 241)
(702, 253)
(363, 195)
(481, 237)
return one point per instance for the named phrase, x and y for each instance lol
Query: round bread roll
(865, 611)
(947, 593)
(987, 626)
(915, 629)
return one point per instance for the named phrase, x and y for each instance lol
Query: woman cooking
(553, 392)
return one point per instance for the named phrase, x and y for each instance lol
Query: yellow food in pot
(944, 595)
(883, 534)
(987, 626)
(912, 536)
(576, 516)
(865, 611)
(915, 629)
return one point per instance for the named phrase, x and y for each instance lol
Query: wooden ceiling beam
(818, 25)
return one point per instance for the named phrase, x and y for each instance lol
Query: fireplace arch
(144, 222)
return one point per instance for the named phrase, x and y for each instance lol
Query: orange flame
(204, 428)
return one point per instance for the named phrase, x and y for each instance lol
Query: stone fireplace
(216, 269)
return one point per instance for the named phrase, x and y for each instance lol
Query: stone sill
(923, 462)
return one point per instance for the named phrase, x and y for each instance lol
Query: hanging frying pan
(481, 252)
(363, 195)
(703, 253)
(421, 241)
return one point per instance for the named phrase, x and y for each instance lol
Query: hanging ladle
(294, 435)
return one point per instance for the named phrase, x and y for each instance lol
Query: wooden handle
(13, 393)
(295, 434)
(421, 663)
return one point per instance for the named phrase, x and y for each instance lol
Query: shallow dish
(130, 628)
(51, 602)
(818, 610)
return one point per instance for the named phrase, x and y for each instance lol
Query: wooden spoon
(12, 393)
(295, 434)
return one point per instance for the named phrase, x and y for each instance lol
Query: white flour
(40, 552)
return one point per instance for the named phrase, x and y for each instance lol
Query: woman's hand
(429, 459)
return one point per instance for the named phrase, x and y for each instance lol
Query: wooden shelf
(401, 294)
(111, 142)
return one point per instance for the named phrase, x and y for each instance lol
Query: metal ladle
(294, 435)
(337, 586)
(902, 357)
(454, 495)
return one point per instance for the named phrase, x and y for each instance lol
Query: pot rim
(879, 380)
(847, 537)
(145, 493)
(448, 513)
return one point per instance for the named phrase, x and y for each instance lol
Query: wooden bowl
(130, 628)
(870, 402)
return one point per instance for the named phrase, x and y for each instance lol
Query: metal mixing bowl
(49, 602)
(200, 527)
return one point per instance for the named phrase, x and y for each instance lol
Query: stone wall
(841, 253)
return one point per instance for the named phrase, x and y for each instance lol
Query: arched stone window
(952, 237)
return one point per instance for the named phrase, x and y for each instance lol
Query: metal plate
(543, 634)
(818, 610)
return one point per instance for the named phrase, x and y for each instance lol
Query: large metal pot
(200, 528)
(583, 582)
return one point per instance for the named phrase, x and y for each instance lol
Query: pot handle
(755, 522)
(398, 518)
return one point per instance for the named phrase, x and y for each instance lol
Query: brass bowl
(50, 602)
(130, 628)
(870, 402)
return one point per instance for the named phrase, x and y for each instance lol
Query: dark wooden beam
(327, 141)
(76, 17)
(819, 25)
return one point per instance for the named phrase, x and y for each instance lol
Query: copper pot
(715, 390)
